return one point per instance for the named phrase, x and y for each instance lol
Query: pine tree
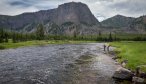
(75, 34)
(99, 33)
(6, 36)
(14, 37)
(40, 32)
(99, 36)
(1, 35)
(110, 37)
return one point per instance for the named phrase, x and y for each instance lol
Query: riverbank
(10, 44)
(134, 52)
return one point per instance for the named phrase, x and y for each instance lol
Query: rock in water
(123, 74)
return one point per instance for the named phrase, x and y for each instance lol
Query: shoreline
(136, 75)
(10, 44)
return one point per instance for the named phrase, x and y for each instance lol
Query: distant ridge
(117, 21)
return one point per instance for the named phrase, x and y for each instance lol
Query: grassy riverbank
(10, 44)
(134, 52)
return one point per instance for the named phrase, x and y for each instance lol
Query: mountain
(67, 18)
(25, 20)
(139, 24)
(72, 18)
(117, 21)
(74, 12)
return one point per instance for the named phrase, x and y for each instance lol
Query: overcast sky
(102, 9)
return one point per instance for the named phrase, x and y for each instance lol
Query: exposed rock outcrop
(139, 24)
(74, 12)
(123, 74)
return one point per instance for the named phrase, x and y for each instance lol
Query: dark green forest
(39, 34)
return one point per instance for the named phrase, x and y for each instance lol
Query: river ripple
(56, 64)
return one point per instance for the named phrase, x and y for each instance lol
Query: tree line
(39, 34)
(5, 35)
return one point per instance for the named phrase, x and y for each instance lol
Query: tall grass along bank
(134, 52)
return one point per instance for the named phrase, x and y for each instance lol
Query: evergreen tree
(99, 33)
(14, 37)
(1, 35)
(99, 37)
(40, 32)
(6, 36)
(75, 34)
(110, 39)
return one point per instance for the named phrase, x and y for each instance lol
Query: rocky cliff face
(139, 24)
(26, 20)
(75, 13)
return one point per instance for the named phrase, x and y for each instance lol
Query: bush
(2, 47)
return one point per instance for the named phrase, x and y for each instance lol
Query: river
(57, 64)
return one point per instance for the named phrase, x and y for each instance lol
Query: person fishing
(108, 47)
(104, 46)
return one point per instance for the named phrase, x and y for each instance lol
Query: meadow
(134, 52)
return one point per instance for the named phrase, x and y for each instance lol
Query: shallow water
(57, 64)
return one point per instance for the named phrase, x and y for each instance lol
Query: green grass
(134, 52)
(36, 42)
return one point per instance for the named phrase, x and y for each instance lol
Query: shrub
(2, 47)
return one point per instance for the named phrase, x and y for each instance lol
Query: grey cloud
(102, 9)
(19, 3)
(130, 6)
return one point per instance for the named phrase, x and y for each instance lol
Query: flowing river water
(57, 64)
